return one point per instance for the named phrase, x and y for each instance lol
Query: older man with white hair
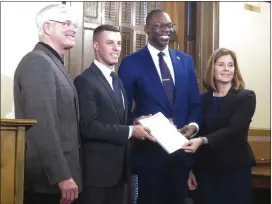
(44, 91)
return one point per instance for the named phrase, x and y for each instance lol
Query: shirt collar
(103, 68)
(53, 51)
(154, 51)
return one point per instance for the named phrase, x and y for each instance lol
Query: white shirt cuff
(197, 128)
(130, 131)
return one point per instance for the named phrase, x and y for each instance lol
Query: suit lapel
(125, 99)
(104, 81)
(178, 66)
(62, 69)
(154, 78)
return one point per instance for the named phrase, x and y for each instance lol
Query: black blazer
(227, 147)
(103, 130)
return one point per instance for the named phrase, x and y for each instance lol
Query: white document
(164, 131)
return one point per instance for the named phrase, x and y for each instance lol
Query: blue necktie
(167, 79)
(117, 90)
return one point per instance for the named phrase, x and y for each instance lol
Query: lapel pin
(178, 58)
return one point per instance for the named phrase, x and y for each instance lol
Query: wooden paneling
(176, 11)
(140, 12)
(261, 148)
(260, 142)
(110, 12)
(126, 43)
(73, 58)
(154, 5)
(207, 35)
(126, 12)
(88, 54)
(12, 155)
(259, 132)
(8, 138)
(130, 17)
(140, 41)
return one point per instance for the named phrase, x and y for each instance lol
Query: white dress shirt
(167, 58)
(106, 71)
(154, 54)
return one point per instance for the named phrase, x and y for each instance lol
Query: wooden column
(207, 34)
(177, 13)
(12, 152)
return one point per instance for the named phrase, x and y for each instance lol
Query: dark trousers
(41, 198)
(103, 195)
(163, 185)
(223, 187)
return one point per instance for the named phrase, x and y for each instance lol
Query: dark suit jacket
(228, 147)
(43, 91)
(103, 129)
(143, 85)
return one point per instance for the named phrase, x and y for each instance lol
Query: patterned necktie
(117, 90)
(167, 79)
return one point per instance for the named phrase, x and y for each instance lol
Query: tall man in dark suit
(159, 79)
(103, 123)
(44, 91)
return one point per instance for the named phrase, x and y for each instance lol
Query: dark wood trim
(259, 132)
(73, 59)
(190, 25)
(16, 122)
(207, 35)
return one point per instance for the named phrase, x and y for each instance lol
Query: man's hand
(69, 191)
(136, 121)
(188, 130)
(192, 183)
(192, 145)
(142, 133)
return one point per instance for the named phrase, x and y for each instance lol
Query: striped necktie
(167, 79)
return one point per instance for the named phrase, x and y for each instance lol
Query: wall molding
(259, 132)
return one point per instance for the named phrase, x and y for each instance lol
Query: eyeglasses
(161, 26)
(66, 23)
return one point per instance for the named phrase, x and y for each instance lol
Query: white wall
(18, 37)
(248, 34)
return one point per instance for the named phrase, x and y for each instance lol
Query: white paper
(164, 131)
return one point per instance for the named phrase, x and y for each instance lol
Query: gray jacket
(44, 91)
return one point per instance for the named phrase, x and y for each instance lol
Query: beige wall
(18, 37)
(248, 34)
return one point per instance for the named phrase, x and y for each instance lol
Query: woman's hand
(192, 145)
(192, 183)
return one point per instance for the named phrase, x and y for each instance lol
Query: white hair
(50, 12)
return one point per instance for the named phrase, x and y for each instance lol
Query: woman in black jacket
(222, 171)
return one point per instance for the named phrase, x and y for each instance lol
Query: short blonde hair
(51, 11)
(208, 80)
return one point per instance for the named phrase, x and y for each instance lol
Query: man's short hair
(104, 27)
(51, 11)
(151, 13)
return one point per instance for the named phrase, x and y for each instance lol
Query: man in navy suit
(159, 79)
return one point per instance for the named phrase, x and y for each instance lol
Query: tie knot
(161, 54)
(113, 74)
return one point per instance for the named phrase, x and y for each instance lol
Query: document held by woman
(164, 132)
